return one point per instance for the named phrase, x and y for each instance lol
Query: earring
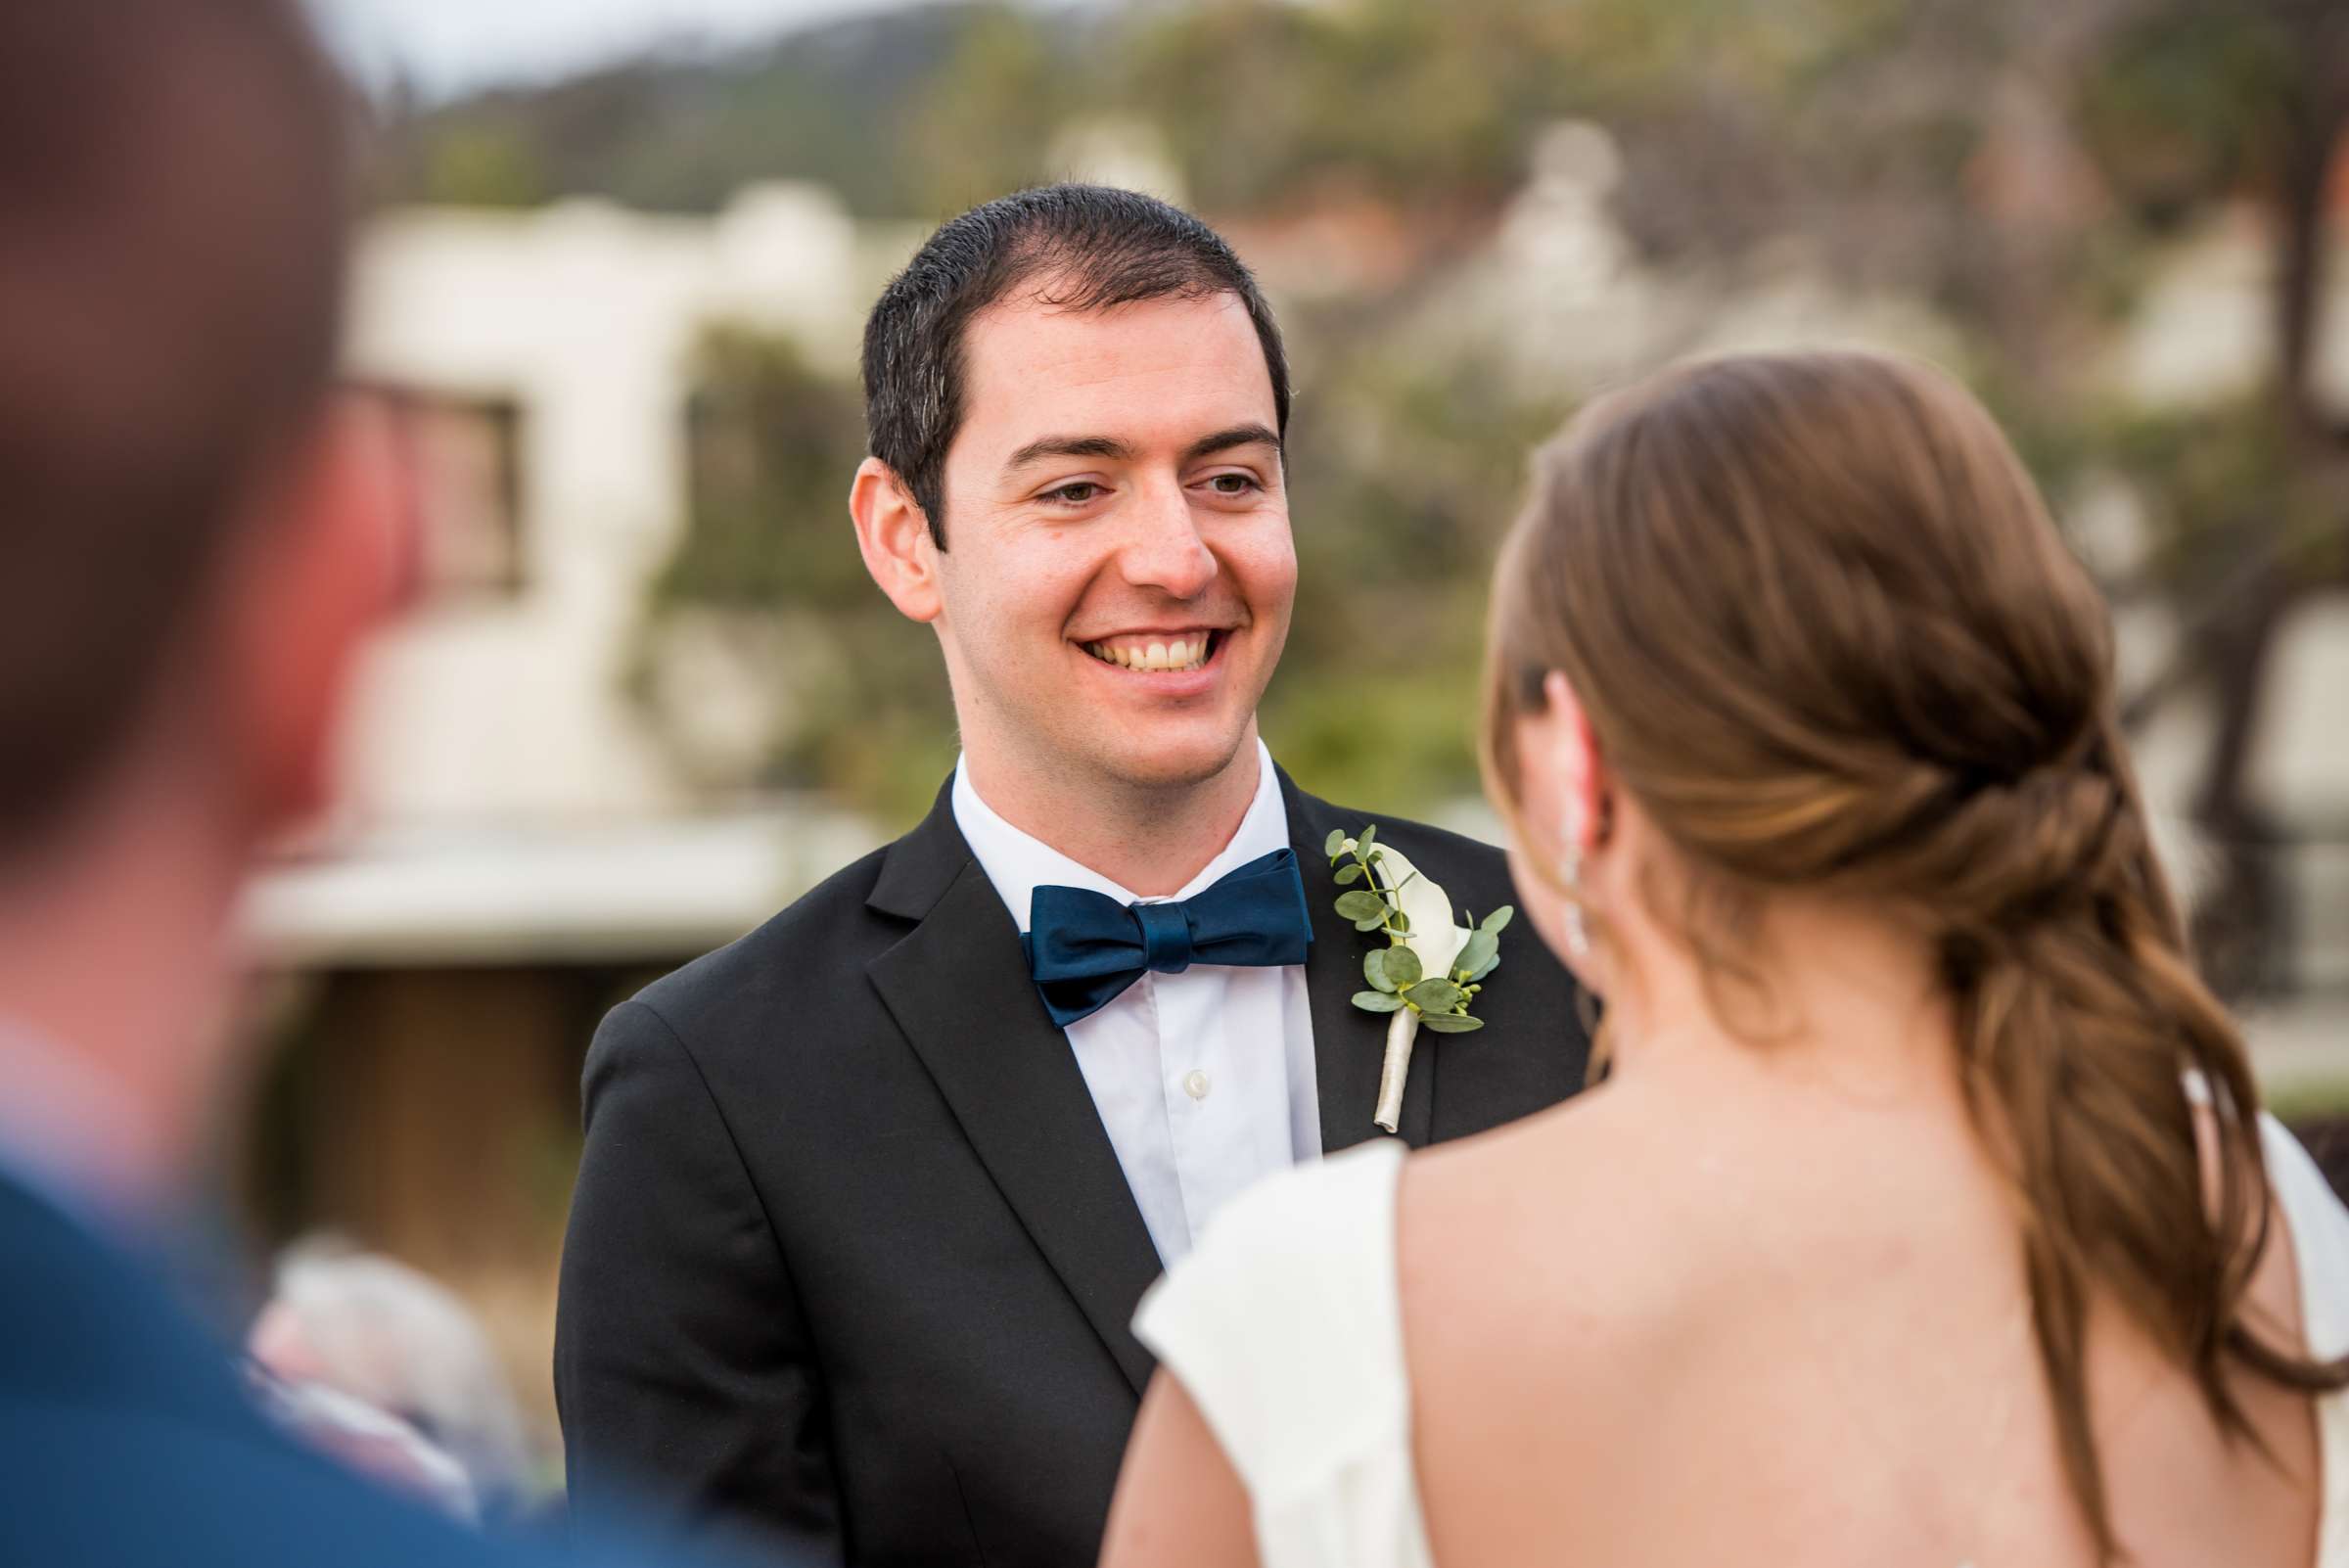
(1570, 872)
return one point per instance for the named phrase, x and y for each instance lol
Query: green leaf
(1403, 922)
(1349, 873)
(1499, 920)
(1402, 966)
(1374, 968)
(1375, 923)
(1362, 904)
(1478, 950)
(1335, 845)
(1433, 995)
(1378, 1001)
(1480, 973)
(1451, 1023)
(1365, 839)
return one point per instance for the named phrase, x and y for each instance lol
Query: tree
(765, 604)
(2202, 103)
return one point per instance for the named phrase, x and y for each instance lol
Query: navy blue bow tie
(1084, 947)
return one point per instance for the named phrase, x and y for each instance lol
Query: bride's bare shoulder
(1559, 1214)
(1543, 1262)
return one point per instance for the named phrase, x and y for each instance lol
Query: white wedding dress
(1283, 1325)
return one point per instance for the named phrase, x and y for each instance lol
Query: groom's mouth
(1160, 653)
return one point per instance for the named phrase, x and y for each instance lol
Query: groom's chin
(1176, 763)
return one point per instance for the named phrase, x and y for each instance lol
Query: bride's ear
(1583, 780)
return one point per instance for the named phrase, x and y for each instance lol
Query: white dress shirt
(1204, 1079)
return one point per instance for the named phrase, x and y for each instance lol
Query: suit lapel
(958, 986)
(1349, 1044)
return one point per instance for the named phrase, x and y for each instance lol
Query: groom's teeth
(1183, 654)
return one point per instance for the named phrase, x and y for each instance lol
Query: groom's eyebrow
(1223, 440)
(1114, 450)
(1117, 451)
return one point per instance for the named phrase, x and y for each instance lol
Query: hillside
(837, 103)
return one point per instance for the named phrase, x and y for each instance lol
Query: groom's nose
(1164, 550)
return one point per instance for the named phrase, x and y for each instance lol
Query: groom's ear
(893, 536)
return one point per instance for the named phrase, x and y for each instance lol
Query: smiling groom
(869, 1196)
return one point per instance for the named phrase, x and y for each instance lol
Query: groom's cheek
(1272, 593)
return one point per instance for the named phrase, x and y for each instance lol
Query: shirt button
(1196, 1085)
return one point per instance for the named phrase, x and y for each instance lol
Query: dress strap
(2318, 1230)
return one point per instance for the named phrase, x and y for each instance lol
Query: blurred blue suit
(124, 1438)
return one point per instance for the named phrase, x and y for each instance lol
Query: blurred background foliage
(766, 574)
(2009, 163)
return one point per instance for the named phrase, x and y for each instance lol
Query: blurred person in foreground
(375, 1331)
(193, 543)
(1927, 1215)
(868, 1197)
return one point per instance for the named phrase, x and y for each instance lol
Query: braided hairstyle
(1828, 637)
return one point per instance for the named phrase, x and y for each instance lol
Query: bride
(1926, 1214)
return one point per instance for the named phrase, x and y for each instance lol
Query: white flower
(1433, 937)
(1435, 941)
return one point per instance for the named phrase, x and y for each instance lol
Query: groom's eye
(1075, 493)
(1234, 484)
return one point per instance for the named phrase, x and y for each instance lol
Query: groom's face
(1118, 574)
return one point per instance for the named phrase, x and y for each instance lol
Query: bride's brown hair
(1828, 638)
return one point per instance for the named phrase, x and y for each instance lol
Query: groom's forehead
(1027, 361)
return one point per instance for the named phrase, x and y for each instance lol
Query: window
(461, 459)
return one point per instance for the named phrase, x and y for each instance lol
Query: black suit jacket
(852, 1260)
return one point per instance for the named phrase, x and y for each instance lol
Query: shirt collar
(1018, 863)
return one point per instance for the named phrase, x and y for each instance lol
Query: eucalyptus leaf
(1433, 995)
(1335, 845)
(1401, 967)
(1375, 923)
(1349, 873)
(1403, 922)
(1483, 970)
(1378, 1001)
(1499, 920)
(1374, 968)
(1451, 1023)
(1362, 904)
(1477, 952)
(1368, 834)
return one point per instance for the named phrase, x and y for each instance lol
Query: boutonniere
(1430, 970)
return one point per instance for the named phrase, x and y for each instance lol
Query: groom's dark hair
(173, 200)
(1088, 248)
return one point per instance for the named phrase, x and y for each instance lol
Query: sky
(449, 46)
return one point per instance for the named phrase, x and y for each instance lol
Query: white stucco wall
(584, 316)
